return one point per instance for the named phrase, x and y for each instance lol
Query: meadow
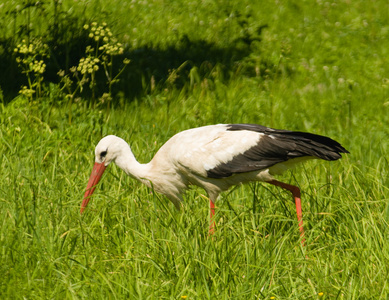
(316, 66)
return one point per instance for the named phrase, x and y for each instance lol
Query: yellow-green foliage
(29, 56)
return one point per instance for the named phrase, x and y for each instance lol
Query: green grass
(327, 73)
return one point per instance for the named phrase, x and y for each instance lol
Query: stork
(216, 157)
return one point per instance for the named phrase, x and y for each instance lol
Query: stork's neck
(128, 163)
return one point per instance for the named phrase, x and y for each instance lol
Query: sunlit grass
(132, 244)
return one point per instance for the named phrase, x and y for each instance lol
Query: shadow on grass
(151, 67)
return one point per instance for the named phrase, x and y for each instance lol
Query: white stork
(215, 158)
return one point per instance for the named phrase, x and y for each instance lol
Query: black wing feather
(277, 146)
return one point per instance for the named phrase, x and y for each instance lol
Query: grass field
(320, 66)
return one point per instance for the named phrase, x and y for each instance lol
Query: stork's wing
(220, 151)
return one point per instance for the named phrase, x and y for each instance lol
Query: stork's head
(107, 150)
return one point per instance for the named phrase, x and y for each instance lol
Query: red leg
(297, 198)
(212, 214)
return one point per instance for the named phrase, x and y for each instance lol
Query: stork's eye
(103, 154)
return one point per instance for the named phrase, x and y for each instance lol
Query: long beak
(95, 176)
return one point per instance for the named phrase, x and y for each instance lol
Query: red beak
(95, 176)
